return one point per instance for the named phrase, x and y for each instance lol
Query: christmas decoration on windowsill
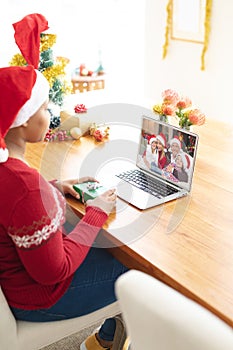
(180, 108)
(53, 68)
(84, 71)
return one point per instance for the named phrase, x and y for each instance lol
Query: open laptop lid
(167, 151)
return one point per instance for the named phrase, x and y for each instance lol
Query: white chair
(20, 335)
(159, 318)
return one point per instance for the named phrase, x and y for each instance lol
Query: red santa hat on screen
(23, 89)
(185, 160)
(162, 139)
(152, 139)
(176, 140)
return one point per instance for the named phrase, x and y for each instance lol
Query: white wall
(83, 27)
(131, 40)
(210, 90)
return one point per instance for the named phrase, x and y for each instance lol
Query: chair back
(158, 317)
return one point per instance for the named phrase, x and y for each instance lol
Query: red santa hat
(23, 91)
(185, 160)
(151, 138)
(27, 36)
(176, 140)
(162, 139)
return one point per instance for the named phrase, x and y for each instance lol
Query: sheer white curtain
(88, 31)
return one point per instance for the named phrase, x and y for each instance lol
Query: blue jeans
(92, 288)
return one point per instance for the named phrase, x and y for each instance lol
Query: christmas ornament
(80, 108)
(99, 132)
(59, 135)
(76, 133)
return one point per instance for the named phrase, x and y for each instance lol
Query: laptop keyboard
(148, 184)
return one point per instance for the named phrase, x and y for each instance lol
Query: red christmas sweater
(37, 260)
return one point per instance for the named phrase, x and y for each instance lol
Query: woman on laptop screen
(154, 157)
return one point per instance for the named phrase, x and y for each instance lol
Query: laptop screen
(167, 151)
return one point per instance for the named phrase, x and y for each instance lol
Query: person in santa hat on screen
(174, 150)
(182, 164)
(46, 274)
(154, 156)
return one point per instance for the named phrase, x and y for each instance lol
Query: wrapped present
(78, 117)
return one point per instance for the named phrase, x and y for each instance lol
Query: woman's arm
(36, 230)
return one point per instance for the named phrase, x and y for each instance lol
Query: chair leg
(127, 345)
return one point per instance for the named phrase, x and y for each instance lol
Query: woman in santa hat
(154, 156)
(182, 164)
(46, 274)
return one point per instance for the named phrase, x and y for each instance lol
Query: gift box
(81, 120)
(89, 190)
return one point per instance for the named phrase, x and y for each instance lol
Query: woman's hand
(66, 186)
(106, 201)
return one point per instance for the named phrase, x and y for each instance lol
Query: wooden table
(87, 83)
(186, 243)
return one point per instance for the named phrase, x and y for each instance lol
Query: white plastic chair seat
(20, 335)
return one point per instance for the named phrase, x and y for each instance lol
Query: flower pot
(187, 127)
(163, 118)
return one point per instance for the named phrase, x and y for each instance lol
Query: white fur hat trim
(40, 93)
(3, 155)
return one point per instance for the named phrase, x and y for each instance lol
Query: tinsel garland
(168, 28)
(207, 31)
(47, 41)
(18, 60)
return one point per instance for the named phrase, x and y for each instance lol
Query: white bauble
(76, 133)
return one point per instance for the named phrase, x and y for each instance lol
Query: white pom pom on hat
(3, 155)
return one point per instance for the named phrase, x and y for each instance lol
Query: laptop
(164, 166)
